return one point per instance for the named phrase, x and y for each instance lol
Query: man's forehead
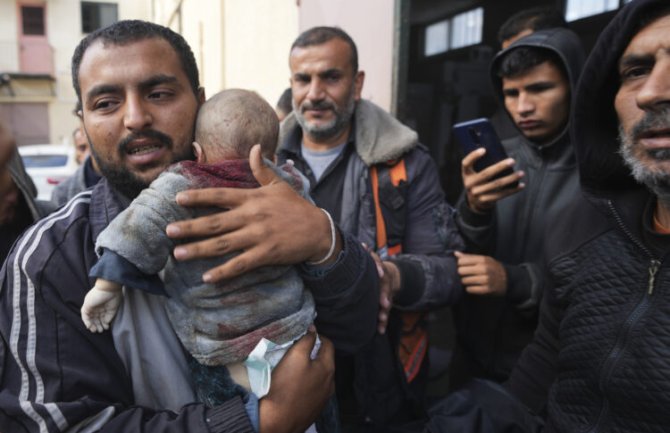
(110, 62)
(334, 53)
(650, 38)
(545, 71)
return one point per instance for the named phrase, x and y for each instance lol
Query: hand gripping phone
(477, 133)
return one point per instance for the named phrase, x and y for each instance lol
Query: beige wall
(257, 39)
(9, 51)
(239, 43)
(370, 23)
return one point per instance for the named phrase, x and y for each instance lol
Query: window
(437, 38)
(97, 15)
(32, 19)
(456, 32)
(467, 28)
(576, 9)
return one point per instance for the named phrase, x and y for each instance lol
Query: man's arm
(56, 376)
(274, 225)
(427, 268)
(521, 284)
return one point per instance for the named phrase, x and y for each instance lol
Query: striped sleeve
(55, 376)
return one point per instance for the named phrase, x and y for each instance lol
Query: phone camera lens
(474, 134)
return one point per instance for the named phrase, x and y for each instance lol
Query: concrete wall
(258, 35)
(371, 25)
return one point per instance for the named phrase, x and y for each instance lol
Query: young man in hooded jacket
(504, 220)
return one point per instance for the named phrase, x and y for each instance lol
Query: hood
(594, 123)
(565, 43)
(379, 136)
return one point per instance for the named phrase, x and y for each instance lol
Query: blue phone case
(477, 133)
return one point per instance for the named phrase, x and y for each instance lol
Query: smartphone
(477, 133)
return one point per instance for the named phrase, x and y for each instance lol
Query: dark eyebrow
(332, 72)
(157, 80)
(635, 59)
(150, 82)
(541, 85)
(102, 89)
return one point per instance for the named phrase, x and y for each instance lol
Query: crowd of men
(555, 269)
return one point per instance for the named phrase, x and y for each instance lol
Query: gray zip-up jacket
(427, 264)
(494, 330)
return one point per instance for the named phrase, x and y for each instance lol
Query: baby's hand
(100, 305)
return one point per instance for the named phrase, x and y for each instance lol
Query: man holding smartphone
(504, 218)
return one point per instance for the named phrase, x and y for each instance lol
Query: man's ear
(358, 83)
(200, 156)
(201, 96)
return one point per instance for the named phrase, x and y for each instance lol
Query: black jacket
(493, 331)
(56, 376)
(600, 361)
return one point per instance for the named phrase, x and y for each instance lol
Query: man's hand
(270, 225)
(389, 285)
(299, 389)
(9, 192)
(481, 275)
(481, 188)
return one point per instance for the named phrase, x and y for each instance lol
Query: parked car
(48, 165)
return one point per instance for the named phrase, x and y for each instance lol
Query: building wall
(9, 49)
(63, 31)
(371, 25)
(238, 43)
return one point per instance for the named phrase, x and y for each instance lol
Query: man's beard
(120, 177)
(657, 180)
(331, 129)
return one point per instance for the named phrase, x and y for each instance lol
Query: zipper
(531, 202)
(623, 338)
(653, 269)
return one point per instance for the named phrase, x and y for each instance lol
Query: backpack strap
(389, 194)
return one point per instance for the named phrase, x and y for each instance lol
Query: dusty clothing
(57, 376)
(219, 323)
(85, 177)
(601, 355)
(492, 331)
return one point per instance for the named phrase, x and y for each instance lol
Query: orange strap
(414, 339)
(398, 173)
(381, 226)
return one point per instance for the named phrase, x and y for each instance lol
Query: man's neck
(325, 144)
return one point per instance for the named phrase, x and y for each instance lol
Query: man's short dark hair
(538, 18)
(321, 35)
(522, 59)
(129, 31)
(285, 102)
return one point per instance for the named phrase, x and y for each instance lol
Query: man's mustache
(150, 133)
(318, 105)
(652, 120)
